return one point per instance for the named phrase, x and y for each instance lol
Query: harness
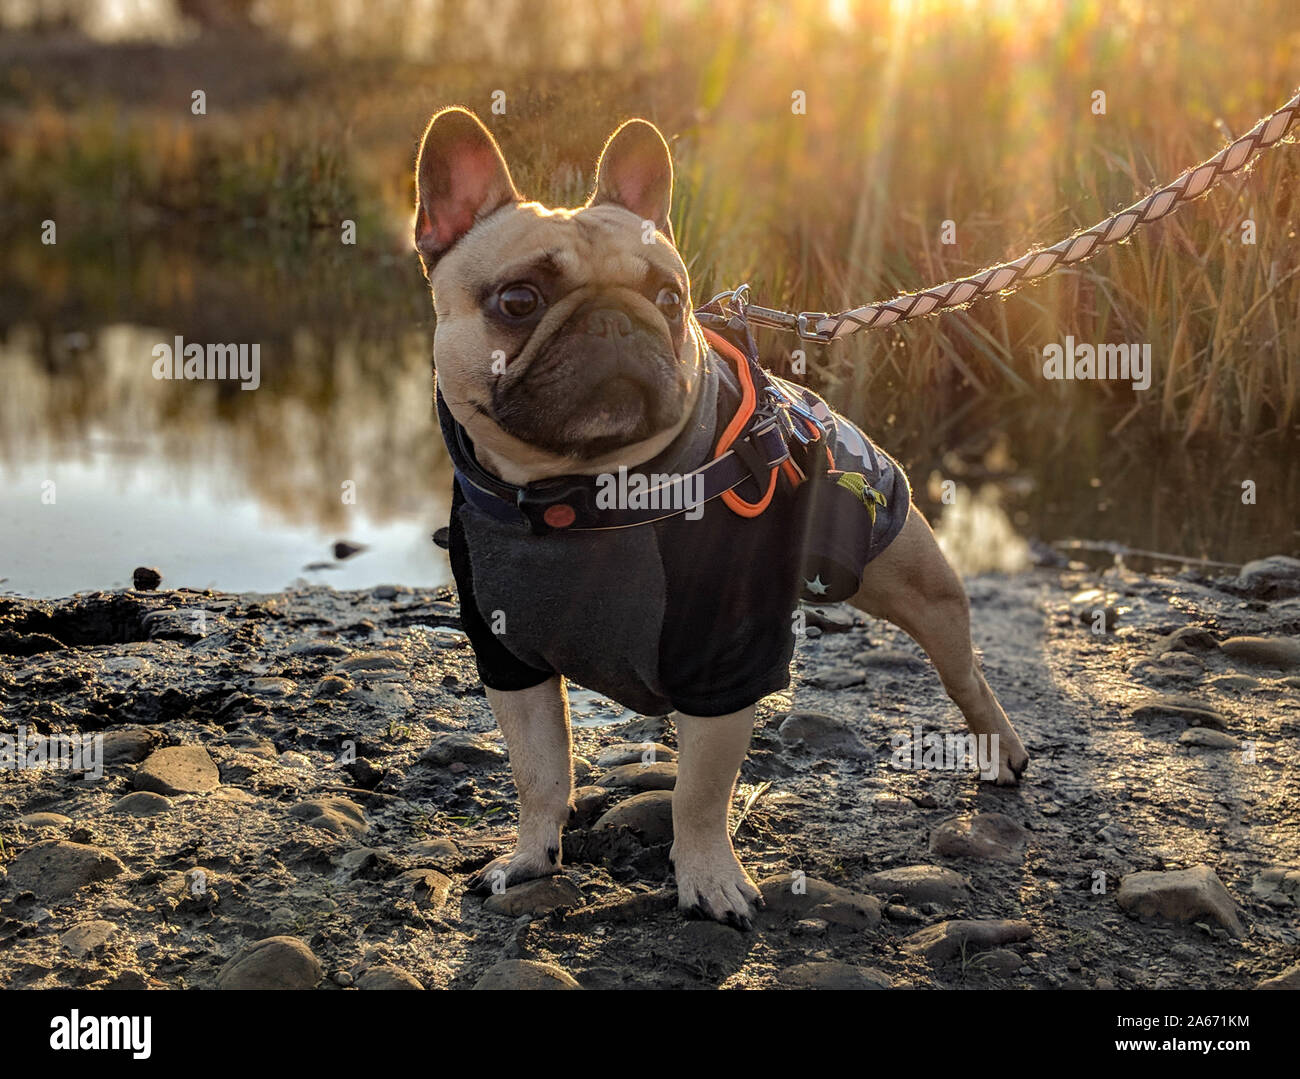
(772, 433)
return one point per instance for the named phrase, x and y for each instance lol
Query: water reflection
(103, 467)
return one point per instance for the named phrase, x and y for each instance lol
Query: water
(104, 468)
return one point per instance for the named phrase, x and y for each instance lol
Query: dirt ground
(339, 777)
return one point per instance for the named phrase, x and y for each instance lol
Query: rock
(829, 974)
(589, 803)
(985, 835)
(462, 747)
(525, 974)
(87, 937)
(146, 578)
(1193, 712)
(386, 977)
(582, 770)
(648, 817)
(272, 963)
(1207, 739)
(1281, 653)
(1186, 639)
(1275, 577)
(128, 745)
(922, 884)
(272, 687)
(1235, 683)
(634, 753)
(428, 887)
(536, 897)
(1278, 886)
(822, 733)
(325, 649)
(177, 770)
(339, 815)
(944, 941)
(142, 804)
(344, 549)
(1183, 895)
(661, 776)
(252, 744)
(291, 758)
(818, 899)
(44, 820)
(837, 678)
(385, 592)
(372, 661)
(56, 868)
(836, 618)
(1002, 962)
(892, 660)
(332, 685)
(1086, 605)
(436, 850)
(1288, 979)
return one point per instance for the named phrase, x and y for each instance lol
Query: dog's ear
(460, 178)
(636, 172)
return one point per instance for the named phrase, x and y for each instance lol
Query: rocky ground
(296, 787)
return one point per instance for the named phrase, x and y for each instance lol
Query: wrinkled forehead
(598, 244)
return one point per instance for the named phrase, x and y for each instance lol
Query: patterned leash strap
(1009, 276)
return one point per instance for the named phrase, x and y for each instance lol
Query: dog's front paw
(715, 885)
(515, 868)
(1012, 760)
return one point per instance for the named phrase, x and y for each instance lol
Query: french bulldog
(567, 348)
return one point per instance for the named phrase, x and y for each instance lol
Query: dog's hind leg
(535, 723)
(711, 882)
(911, 584)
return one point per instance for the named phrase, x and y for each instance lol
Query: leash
(1006, 277)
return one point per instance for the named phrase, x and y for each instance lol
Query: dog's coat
(680, 615)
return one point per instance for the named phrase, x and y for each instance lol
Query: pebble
(341, 816)
(1288, 979)
(526, 974)
(272, 963)
(177, 770)
(1275, 577)
(142, 804)
(633, 753)
(822, 733)
(1278, 886)
(145, 578)
(86, 937)
(1281, 653)
(428, 887)
(386, 977)
(56, 868)
(892, 660)
(837, 678)
(434, 849)
(991, 836)
(830, 974)
(536, 897)
(462, 747)
(945, 940)
(332, 685)
(1193, 712)
(808, 897)
(291, 758)
(128, 745)
(647, 816)
(922, 884)
(1207, 739)
(1182, 895)
(660, 776)
(44, 820)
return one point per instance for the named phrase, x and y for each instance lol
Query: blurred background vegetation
(226, 226)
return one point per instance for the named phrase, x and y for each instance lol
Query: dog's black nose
(607, 322)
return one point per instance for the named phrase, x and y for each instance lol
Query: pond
(104, 467)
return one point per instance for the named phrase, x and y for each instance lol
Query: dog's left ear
(636, 172)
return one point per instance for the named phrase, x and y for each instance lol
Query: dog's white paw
(715, 885)
(515, 868)
(1012, 760)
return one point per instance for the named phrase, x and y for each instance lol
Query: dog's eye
(669, 302)
(519, 301)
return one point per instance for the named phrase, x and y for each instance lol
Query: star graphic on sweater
(815, 586)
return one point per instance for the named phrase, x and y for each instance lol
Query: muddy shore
(296, 786)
